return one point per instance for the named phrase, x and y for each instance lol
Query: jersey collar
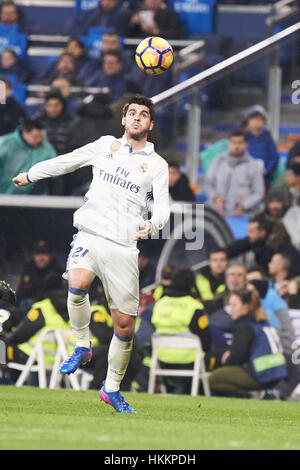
(148, 149)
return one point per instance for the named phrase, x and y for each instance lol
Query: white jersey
(123, 179)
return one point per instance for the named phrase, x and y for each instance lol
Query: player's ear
(123, 121)
(151, 125)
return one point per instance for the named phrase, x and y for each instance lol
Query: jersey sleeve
(160, 188)
(66, 163)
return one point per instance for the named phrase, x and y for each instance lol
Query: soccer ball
(154, 55)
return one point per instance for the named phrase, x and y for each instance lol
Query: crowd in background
(229, 304)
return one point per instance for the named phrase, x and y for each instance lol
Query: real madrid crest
(143, 167)
(115, 146)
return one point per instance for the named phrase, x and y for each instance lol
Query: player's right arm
(61, 165)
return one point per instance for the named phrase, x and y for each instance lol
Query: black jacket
(57, 129)
(263, 252)
(35, 281)
(11, 116)
(243, 336)
(181, 191)
(168, 24)
(94, 121)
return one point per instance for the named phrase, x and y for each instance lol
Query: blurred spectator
(107, 14)
(220, 321)
(63, 85)
(56, 120)
(40, 275)
(110, 41)
(20, 150)
(179, 187)
(11, 113)
(154, 18)
(277, 202)
(260, 142)
(285, 286)
(145, 265)
(291, 221)
(85, 66)
(293, 183)
(275, 305)
(111, 75)
(279, 269)
(234, 183)
(10, 64)
(283, 202)
(65, 68)
(294, 152)
(178, 312)
(266, 236)
(281, 181)
(48, 312)
(211, 280)
(93, 121)
(11, 15)
(165, 281)
(237, 371)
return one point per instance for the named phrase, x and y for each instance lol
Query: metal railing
(193, 85)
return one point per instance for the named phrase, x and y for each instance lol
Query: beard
(136, 135)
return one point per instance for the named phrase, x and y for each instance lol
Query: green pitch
(32, 418)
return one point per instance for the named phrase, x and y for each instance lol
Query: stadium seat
(83, 5)
(92, 41)
(238, 21)
(196, 15)
(50, 17)
(36, 362)
(179, 341)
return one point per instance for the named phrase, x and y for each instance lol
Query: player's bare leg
(118, 359)
(80, 314)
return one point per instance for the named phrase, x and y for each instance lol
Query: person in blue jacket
(260, 142)
(107, 14)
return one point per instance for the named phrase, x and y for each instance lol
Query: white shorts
(116, 266)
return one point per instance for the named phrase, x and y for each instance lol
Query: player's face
(137, 121)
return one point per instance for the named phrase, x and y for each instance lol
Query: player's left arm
(60, 165)
(161, 197)
(161, 209)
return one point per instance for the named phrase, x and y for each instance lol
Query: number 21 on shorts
(77, 253)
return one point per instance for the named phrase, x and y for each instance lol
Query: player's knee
(76, 296)
(124, 326)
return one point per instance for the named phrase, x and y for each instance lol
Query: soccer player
(109, 223)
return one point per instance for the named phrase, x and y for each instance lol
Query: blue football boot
(116, 400)
(80, 356)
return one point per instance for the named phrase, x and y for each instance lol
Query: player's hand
(145, 230)
(20, 180)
